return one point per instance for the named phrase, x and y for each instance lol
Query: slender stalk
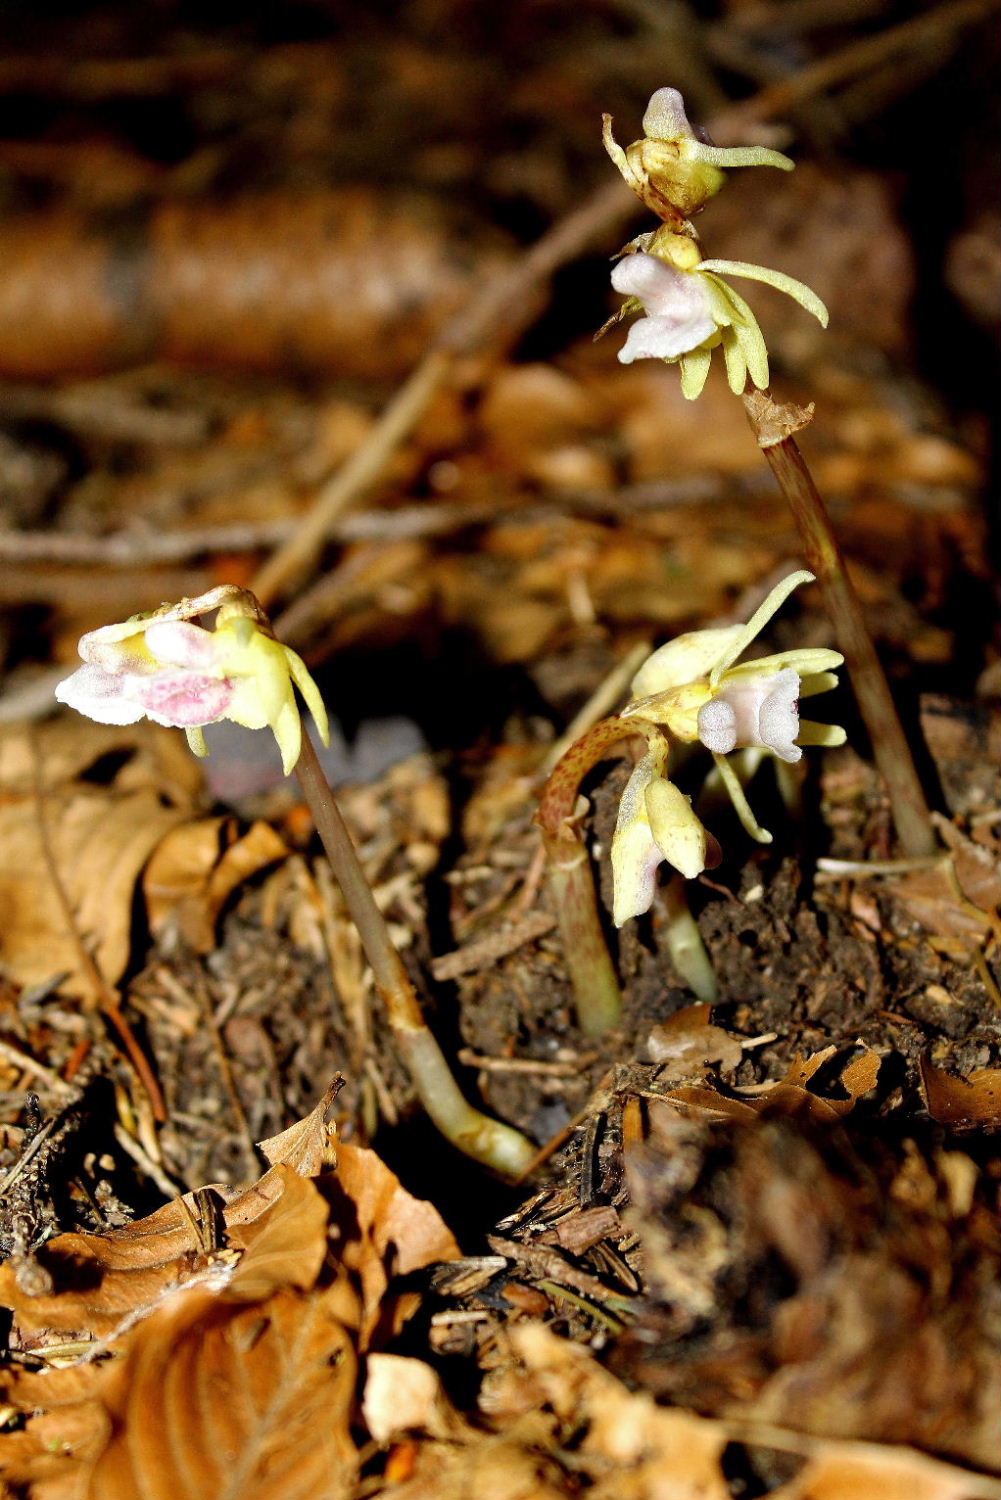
(585, 952)
(684, 942)
(773, 427)
(498, 1146)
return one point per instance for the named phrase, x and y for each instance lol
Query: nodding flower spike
(671, 169)
(164, 668)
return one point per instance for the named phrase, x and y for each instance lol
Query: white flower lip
(178, 674)
(761, 711)
(679, 310)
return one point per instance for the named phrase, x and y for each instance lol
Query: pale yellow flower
(671, 169)
(163, 667)
(696, 687)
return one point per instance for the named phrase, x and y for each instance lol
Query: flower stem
(592, 975)
(500, 1147)
(773, 426)
(684, 941)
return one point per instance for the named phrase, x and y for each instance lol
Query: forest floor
(757, 1253)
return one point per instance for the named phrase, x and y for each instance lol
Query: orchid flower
(655, 823)
(671, 169)
(690, 310)
(695, 687)
(163, 667)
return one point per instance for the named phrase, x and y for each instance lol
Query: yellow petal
(196, 741)
(745, 634)
(687, 658)
(741, 806)
(680, 836)
(796, 289)
(310, 691)
(694, 372)
(288, 732)
(811, 733)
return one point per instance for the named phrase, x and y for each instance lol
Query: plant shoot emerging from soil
(163, 667)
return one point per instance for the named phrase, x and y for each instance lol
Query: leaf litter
(760, 1253)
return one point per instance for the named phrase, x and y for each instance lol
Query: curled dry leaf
(196, 868)
(274, 1236)
(308, 1145)
(789, 1095)
(381, 1233)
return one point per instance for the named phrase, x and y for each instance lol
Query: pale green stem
(684, 941)
(585, 952)
(497, 1146)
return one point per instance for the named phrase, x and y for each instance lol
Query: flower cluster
(696, 689)
(689, 308)
(161, 666)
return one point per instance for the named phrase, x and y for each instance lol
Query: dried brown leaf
(385, 1233)
(196, 868)
(275, 1237)
(308, 1145)
(687, 1041)
(100, 842)
(406, 1395)
(862, 1471)
(975, 1100)
(633, 1449)
(220, 1402)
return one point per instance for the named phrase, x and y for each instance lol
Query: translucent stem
(500, 1147)
(684, 942)
(773, 426)
(596, 988)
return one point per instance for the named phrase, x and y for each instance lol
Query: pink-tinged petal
(761, 711)
(100, 695)
(665, 118)
(184, 699)
(177, 643)
(664, 291)
(679, 310)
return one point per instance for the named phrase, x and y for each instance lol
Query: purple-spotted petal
(184, 699)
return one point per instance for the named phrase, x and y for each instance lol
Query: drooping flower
(163, 667)
(690, 310)
(655, 823)
(671, 169)
(696, 687)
